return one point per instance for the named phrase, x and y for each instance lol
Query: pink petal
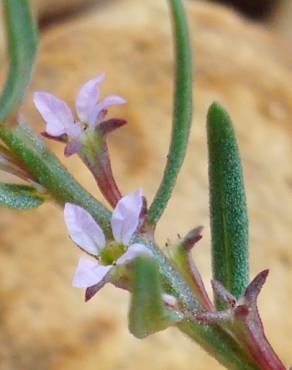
(125, 217)
(96, 113)
(54, 111)
(132, 252)
(84, 231)
(89, 273)
(87, 97)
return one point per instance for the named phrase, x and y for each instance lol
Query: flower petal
(89, 273)
(74, 130)
(82, 228)
(87, 97)
(55, 112)
(125, 217)
(132, 252)
(97, 112)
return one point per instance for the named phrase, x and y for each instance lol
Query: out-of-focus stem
(21, 39)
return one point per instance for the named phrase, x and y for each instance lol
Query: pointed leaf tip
(181, 256)
(192, 237)
(254, 288)
(222, 294)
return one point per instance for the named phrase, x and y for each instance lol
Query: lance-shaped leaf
(21, 45)
(181, 256)
(148, 313)
(229, 223)
(20, 196)
(182, 111)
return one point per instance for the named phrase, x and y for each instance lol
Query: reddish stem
(96, 157)
(102, 172)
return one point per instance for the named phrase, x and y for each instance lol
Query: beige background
(44, 323)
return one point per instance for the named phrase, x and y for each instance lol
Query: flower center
(111, 252)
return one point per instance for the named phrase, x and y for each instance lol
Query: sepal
(148, 312)
(110, 125)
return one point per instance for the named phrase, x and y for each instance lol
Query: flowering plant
(166, 288)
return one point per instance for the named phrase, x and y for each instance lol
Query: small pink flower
(90, 111)
(88, 235)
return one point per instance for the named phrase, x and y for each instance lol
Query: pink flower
(88, 235)
(90, 111)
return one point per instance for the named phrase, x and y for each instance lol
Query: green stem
(50, 173)
(21, 46)
(212, 338)
(182, 111)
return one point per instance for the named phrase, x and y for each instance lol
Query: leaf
(182, 112)
(147, 312)
(181, 256)
(229, 222)
(21, 45)
(20, 196)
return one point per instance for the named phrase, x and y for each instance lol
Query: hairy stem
(51, 174)
(21, 38)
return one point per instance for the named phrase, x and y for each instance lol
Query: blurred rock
(47, 10)
(281, 19)
(44, 323)
(56, 8)
(258, 9)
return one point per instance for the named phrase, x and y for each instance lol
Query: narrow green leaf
(147, 312)
(20, 196)
(21, 46)
(229, 222)
(182, 114)
(181, 256)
